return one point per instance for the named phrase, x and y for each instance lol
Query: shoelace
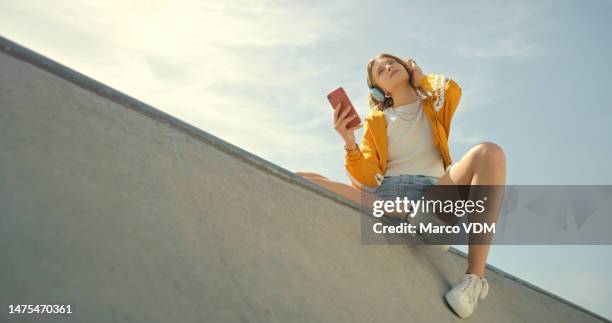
(469, 287)
(472, 293)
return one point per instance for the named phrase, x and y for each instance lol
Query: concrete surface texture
(130, 215)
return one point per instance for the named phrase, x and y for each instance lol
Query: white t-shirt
(411, 146)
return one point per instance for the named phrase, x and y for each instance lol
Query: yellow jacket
(366, 165)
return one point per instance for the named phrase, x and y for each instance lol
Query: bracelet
(350, 150)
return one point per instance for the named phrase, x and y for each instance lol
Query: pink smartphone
(339, 96)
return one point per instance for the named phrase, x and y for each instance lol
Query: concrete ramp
(130, 215)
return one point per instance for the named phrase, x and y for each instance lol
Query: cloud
(513, 45)
(233, 69)
(489, 29)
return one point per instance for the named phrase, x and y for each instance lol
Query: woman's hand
(341, 119)
(416, 74)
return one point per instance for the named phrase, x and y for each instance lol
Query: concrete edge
(24, 54)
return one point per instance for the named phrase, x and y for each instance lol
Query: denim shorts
(410, 186)
(413, 187)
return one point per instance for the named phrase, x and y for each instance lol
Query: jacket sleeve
(362, 164)
(446, 94)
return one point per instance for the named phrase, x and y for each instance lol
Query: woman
(405, 141)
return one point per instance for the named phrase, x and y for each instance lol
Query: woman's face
(388, 74)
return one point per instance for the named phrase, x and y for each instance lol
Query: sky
(534, 77)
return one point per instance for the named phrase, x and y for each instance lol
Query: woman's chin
(398, 79)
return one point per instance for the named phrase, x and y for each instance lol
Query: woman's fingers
(340, 126)
(413, 66)
(338, 123)
(343, 114)
(337, 111)
(355, 127)
(345, 111)
(410, 62)
(345, 121)
(341, 119)
(338, 114)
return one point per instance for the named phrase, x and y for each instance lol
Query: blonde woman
(405, 142)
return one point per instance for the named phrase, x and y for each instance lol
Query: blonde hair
(388, 102)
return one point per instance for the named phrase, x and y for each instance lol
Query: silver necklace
(413, 114)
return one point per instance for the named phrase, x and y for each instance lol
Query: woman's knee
(491, 153)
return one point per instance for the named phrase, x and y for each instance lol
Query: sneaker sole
(453, 306)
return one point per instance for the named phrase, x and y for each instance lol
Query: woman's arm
(446, 91)
(362, 163)
(416, 74)
(446, 94)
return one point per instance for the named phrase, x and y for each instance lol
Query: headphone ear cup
(377, 94)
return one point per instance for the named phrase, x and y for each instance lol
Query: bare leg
(485, 164)
(309, 175)
(345, 190)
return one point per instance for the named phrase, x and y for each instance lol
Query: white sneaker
(463, 297)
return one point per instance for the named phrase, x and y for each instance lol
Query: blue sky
(534, 74)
